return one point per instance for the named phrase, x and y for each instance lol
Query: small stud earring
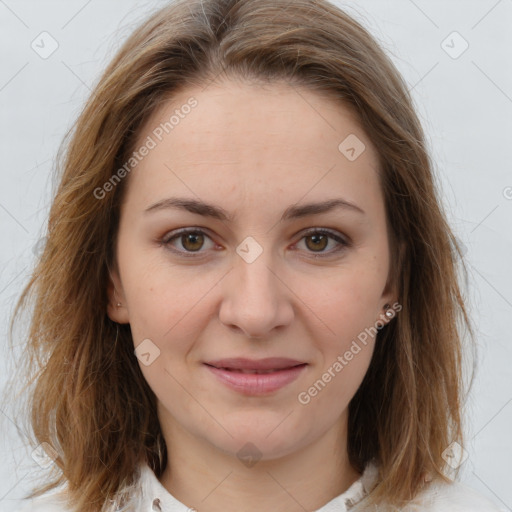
(118, 304)
(389, 313)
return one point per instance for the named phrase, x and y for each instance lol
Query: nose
(255, 297)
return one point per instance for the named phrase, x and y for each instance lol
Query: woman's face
(257, 278)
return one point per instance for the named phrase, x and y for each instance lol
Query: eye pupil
(319, 241)
(192, 237)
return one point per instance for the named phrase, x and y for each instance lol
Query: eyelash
(166, 241)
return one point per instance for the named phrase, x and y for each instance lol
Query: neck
(208, 479)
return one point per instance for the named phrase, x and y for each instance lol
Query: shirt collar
(156, 498)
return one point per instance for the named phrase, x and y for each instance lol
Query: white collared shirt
(152, 496)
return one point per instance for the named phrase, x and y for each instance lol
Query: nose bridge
(255, 300)
(254, 280)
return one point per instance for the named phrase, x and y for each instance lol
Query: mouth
(256, 381)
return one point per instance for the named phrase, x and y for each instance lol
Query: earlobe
(116, 307)
(385, 315)
(389, 311)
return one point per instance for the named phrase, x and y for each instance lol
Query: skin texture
(253, 150)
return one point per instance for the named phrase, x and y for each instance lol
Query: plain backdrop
(456, 57)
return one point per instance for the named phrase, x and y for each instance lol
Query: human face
(253, 151)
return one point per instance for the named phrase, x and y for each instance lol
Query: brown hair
(90, 400)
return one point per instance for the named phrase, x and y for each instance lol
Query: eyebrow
(216, 212)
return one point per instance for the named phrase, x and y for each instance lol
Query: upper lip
(269, 363)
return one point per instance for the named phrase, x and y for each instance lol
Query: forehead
(272, 140)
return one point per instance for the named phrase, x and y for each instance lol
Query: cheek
(345, 303)
(330, 391)
(345, 343)
(170, 307)
(164, 298)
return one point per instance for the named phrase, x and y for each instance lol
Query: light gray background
(465, 104)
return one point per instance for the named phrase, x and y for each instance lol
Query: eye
(192, 240)
(316, 240)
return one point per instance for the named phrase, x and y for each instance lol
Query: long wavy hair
(88, 399)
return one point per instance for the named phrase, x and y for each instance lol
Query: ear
(389, 293)
(389, 304)
(116, 296)
(389, 296)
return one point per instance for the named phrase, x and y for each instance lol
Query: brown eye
(318, 242)
(187, 242)
(192, 241)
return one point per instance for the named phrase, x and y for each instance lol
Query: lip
(255, 384)
(241, 363)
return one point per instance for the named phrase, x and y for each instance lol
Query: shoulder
(46, 503)
(441, 496)
(57, 500)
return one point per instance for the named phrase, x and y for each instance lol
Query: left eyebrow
(216, 212)
(295, 212)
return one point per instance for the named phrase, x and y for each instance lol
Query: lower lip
(257, 383)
